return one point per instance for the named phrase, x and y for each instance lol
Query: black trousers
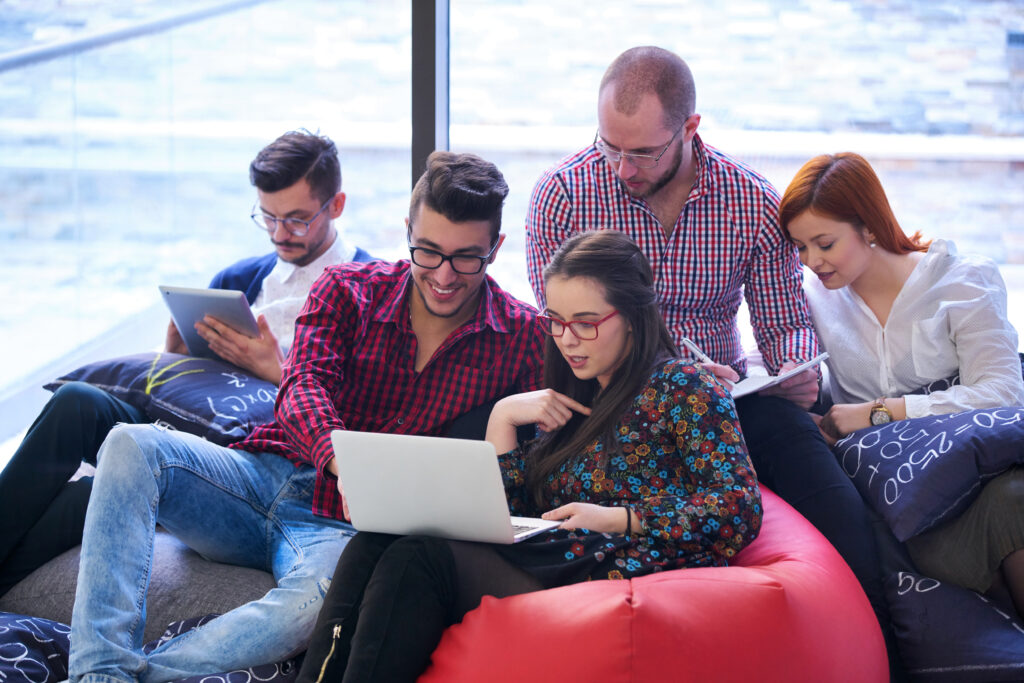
(391, 599)
(793, 460)
(41, 513)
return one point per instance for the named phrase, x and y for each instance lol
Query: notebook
(754, 383)
(449, 488)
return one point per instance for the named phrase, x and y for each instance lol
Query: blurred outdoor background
(124, 162)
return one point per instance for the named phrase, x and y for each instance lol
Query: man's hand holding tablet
(219, 322)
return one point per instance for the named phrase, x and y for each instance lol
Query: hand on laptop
(332, 467)
(259, 355)
(344, 504)
(546, 408)
(599, 518)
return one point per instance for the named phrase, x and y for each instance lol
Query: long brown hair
(613, 261)
(844, 187)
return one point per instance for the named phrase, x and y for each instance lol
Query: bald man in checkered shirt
(709, 226)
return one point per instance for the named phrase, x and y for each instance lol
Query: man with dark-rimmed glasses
(403, 347)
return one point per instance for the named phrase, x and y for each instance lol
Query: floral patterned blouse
(684, 470)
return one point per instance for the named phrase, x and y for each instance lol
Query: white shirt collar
(339, 252)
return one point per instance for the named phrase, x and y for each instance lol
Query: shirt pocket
(932, 350)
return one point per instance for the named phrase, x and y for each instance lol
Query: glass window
(932, 95)
(126, 166)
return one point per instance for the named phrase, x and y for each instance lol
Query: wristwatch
(880, 415)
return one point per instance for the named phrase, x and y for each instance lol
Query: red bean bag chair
(788, 609)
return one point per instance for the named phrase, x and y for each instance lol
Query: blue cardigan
(248, 274)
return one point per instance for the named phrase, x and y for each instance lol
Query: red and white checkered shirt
(726, 242)
(352, 366)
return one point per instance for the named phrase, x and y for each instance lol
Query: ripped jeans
(247, 509)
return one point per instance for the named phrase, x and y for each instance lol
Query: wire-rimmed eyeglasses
(639, 160)
(296, 226)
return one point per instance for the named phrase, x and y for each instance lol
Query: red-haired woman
(895, 314)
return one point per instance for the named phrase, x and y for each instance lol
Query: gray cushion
(183, 585)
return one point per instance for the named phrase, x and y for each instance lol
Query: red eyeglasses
(584, 330)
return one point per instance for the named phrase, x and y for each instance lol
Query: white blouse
(949, 318)
(286, 287)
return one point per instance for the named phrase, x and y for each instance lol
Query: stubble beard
(662, 180)
(426, 305)
(309, 249)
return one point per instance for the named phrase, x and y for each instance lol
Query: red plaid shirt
(352, 366)
(725, 242)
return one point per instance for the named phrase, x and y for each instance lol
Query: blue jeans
(231, 506)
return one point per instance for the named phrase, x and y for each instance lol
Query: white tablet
(189, 305)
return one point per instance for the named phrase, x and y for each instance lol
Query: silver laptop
(449, 488)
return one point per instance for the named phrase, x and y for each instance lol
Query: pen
(695, 350)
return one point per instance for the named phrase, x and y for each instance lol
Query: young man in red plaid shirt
(709, 227)
(393, 347)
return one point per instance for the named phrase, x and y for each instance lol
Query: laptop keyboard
(520, 528)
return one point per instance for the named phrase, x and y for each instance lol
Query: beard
(310, 249)
(658, 183)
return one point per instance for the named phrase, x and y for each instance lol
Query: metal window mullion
(430, 80)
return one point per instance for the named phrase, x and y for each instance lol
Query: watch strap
(880, 407)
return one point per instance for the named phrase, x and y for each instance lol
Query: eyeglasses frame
(567, 325)
(260, 218)
(601, 146)
(450, 257)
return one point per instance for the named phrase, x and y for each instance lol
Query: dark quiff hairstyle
(615, 264)
(844, 187)
(461, 187)
(646, 70)
(294, 156)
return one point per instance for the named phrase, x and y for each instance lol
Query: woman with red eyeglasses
(639, 455)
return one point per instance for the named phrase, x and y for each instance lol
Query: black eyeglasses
(638, 160)
(296, 226)
(461, 263)
(584, 330)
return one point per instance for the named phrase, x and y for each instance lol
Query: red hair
(844, 187)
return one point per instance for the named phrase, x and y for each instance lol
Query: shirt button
(400, 421)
